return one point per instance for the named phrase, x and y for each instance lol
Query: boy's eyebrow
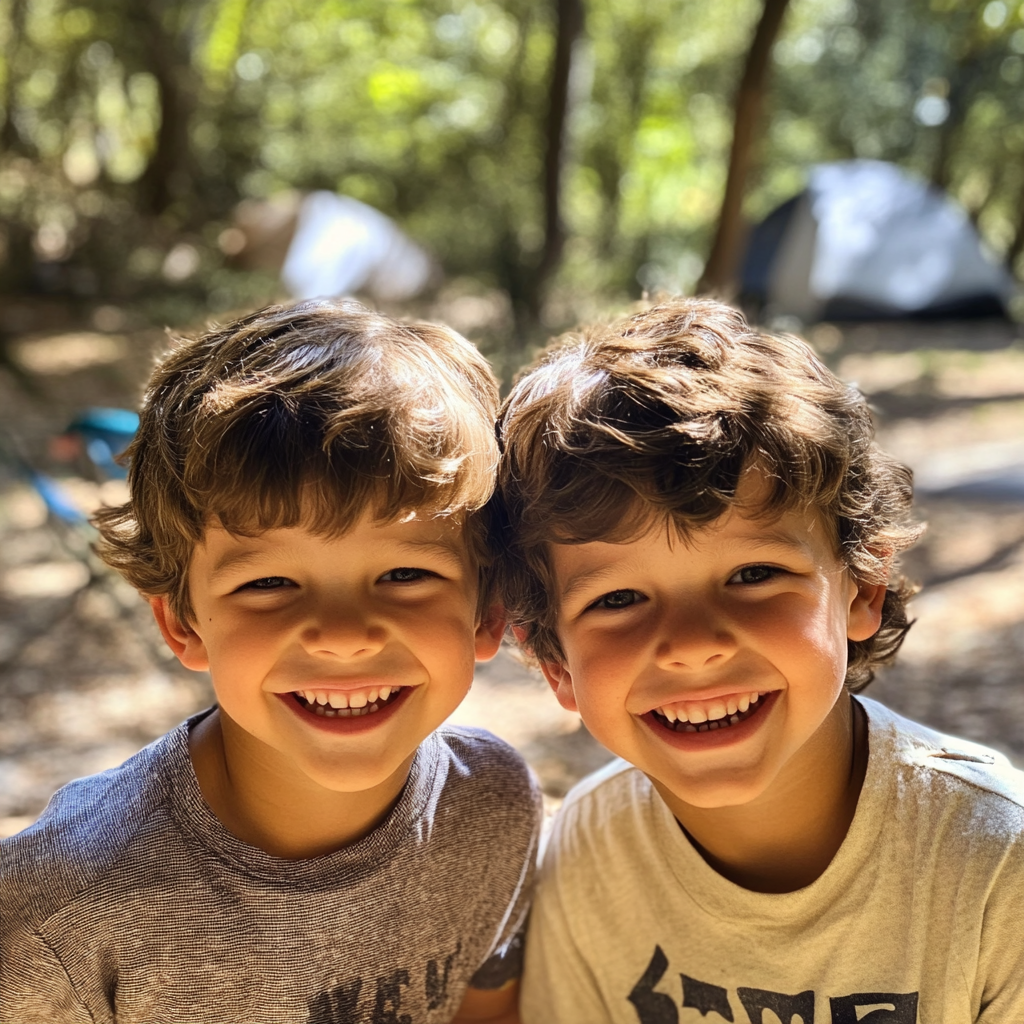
(762, 538)
(583, 579)
(232, 560)
(447, 548)
(777, 537)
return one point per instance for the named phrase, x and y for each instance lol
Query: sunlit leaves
(221, 49)
(435, 112)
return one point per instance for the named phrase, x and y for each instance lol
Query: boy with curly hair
(701, 552)
(308, 521)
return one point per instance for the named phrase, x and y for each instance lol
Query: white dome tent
(342, 246)
(866, 240)
(325, 245)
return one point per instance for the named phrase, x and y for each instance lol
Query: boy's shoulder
(88, 829)
(604, 813)
(487, 771)
(942, 766)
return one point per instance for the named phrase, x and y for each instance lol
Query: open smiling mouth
(332, 704)
(724, 717)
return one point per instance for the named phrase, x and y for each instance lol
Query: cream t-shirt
(919, 917)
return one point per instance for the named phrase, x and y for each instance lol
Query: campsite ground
(84, 680)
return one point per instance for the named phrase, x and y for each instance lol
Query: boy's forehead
(743, 531)
(444, 534)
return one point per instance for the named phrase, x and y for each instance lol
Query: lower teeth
(326, 711)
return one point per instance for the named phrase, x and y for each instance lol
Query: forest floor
(85, 680)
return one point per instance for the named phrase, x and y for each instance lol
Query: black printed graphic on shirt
(699, 995)
(387, 1000)
(654, 1006)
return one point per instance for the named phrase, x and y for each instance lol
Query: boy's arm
(497, 1005)
(1000, 977)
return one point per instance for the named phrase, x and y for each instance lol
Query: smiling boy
(700, 551)
(307, 521)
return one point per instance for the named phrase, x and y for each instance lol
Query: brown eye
(755, 574)
(267, 583)
(405, 575)
(617, 599)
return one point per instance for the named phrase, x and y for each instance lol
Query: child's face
(744, 624)
(340, 654)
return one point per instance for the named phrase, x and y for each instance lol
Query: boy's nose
(346, 632)
(694, 638)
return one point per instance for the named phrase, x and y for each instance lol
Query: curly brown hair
(657, 416)
(309, 413)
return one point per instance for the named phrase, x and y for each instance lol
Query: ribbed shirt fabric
(128, 901)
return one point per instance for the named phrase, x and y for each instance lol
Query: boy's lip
(347, 685)
(714, 738)
(340, 725)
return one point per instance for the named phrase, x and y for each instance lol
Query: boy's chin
(734, 790)
(354, 775)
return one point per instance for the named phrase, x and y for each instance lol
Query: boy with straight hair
(307, 519)
(701, 552)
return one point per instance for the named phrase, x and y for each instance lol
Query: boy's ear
(185, 642)
(489, 632)
(865, 611)
(560, 681)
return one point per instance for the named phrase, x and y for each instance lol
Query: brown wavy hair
(657, 416)
(309, 413)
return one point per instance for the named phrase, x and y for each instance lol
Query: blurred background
(852, 170)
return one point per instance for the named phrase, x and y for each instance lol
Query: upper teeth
(708, 710)
(348, 698)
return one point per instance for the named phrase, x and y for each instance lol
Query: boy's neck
(786, 839)
(270, 809)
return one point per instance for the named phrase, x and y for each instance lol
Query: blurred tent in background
(554, 158)
(867, 240)
(324, 245)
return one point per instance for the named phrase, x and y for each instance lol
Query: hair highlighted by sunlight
(657, 416)
(311, 413)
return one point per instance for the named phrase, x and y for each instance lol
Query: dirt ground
(85, 681)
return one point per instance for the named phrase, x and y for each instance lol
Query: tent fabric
(342, 246)
(867, 240)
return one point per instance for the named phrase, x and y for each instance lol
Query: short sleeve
(1001, 957)
(504, 961)
(34, 986)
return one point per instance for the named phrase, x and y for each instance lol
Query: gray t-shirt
(128, 900)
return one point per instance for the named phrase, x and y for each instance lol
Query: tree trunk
(720, 269)
(167, 174)
(10, 139)
(1017, 245)
(570, 24)
(962, 90)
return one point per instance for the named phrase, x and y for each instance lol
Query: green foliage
(130, 129)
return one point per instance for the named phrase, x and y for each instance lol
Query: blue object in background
(56, 501)
(106, 433)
